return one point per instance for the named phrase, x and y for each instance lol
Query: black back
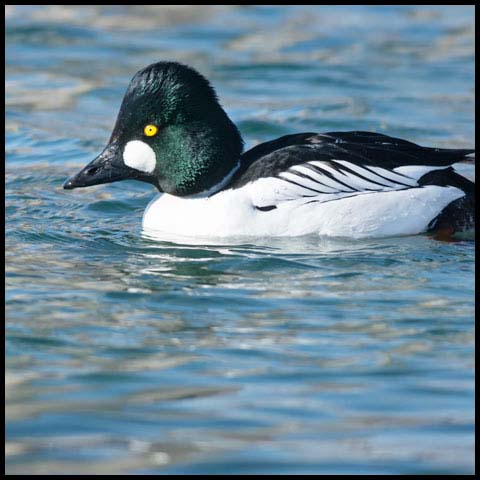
(362, 148)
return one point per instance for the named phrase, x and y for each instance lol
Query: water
(307, 355)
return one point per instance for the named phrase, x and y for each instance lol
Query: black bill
(108, 167)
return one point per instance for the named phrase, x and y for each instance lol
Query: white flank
(140, 156)
(234, 212)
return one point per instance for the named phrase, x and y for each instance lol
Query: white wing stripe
(380, 175)
(394, 177)
(317, 177)
(307, 177)
(324, 181)
(331, 177)
(366, 174)
(303, 182)
(354, 179)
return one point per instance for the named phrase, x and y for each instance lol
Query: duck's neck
(221, 185)
(199, 157)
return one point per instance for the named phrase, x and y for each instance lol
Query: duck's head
(170, 132)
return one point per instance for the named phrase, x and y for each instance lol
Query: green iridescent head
(171, 131)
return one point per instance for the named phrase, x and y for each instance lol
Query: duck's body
(349, 184)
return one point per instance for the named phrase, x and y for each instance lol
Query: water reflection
(132, 353)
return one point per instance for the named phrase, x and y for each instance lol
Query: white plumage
(356, 203)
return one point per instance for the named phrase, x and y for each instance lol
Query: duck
(172, 133)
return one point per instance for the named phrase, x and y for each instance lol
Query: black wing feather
(360, 148)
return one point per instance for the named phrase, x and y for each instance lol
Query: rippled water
(306, 355)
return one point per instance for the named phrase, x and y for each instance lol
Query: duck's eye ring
(150, 130)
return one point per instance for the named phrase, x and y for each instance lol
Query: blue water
(306, 355)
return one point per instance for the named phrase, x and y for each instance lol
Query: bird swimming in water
(172, 132)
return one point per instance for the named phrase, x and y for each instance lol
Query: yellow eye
(150, 130)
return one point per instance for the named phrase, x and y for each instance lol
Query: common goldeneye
(172, 132)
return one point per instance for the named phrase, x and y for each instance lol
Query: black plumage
(361, 148)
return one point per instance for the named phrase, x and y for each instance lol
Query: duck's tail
(457, 219)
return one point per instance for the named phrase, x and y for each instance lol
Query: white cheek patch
(140, 156)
